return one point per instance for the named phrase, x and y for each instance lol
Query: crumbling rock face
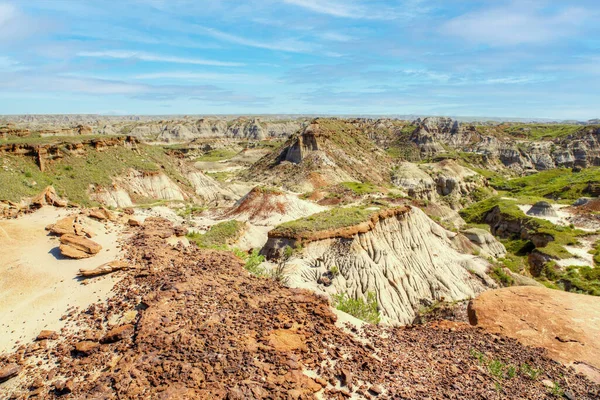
(446, 179)
(153, 185)
(486, 241)
(269, 207)
(207, 188)
(407, 260)
(335, 150)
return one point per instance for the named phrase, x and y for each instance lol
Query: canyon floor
(305, 258)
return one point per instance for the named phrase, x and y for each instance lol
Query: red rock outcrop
(566, 324)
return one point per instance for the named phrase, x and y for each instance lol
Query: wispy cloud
(137, 55)
(288, 45)
(372, 10)
(142, 91)
(516, 24)
(206, 76)
(15, 25)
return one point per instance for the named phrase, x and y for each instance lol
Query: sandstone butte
(566, 324)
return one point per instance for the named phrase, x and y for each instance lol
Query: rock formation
(270, 207)
(408, 260)
(566, 324)
(77, 247)
(542, 209)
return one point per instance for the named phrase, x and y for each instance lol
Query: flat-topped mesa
(399, 254)
(335, 223)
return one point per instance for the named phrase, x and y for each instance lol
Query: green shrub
(501, 277)
(253, 262)
(217, 155)
(219, 235)
(367, 311)
(359, 188)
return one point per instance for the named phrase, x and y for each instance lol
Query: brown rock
(101, 214)
(118, 333)
(47, 335)
(133, 222)
(64, 387)
(376, 390)
(87, 347)
(78, 247)
(9, 371)
(63, 226)
(48, 196)
(558, 321)
(180, 231)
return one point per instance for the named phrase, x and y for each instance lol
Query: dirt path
(38, 285)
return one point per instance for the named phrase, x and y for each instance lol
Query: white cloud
(8, 12)
(515, 24)
(289, 45)
(15, 25)
(205, 76)
(329, 7)
(137, 55)
(356, 10)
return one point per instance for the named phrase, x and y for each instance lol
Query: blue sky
(520, 58)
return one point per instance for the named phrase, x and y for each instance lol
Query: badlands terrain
(295, 257)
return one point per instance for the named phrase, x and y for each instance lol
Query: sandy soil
(37, 284)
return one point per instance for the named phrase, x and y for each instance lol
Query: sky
(486, 58)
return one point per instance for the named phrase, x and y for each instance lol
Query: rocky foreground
(187, 323)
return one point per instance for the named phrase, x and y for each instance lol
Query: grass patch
(504, 279)
(190, 210)
(217, 155)
(359, 188)
(557, 184)
(326, 220)
(72, 175)
(367, 311)
(221, 176)
(542, 131)
(219, 236)
(253, 261)
(501, 371)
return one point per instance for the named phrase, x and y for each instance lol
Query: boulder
(87, 347)
(78, 247)
(48, 197)
(101, 214)
(47, 335)
(566, 324)
(134, 222)
(63, 226)
(9, 371)
(118, 333)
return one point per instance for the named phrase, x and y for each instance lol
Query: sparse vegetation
(359, 188)
(501, 371)
(253, 262)
(331, 219)
(72, 175)
(217, 155)
(367, 311)
(220, 235)
(500, 276)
